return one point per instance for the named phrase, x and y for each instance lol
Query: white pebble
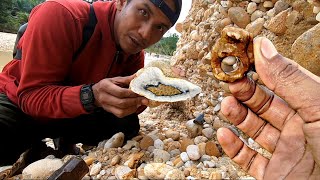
(316, 10)
(209, 164)
(200, 139)
(318, 17)
(205, 158)
(158, 144)
(217, 108)
(188, 164)
(193, 152)
(95, 169)
(208, 133)
(160, 156)
(268, 4)
(184, 157)
(252, 6)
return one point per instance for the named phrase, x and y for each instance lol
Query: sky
(186, 5)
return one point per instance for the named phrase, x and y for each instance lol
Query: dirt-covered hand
(113, 95)
(283, 117)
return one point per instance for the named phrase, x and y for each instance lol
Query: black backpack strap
(87, 31)
(17, 53)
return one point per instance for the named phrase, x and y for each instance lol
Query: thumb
(287, 79)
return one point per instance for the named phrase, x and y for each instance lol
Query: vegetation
(166, 46)
(14, 13)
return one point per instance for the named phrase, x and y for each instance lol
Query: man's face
(139, 24)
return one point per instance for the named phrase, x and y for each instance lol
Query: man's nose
(145, 32)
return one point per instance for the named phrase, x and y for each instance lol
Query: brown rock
(212, 149)
(179, 27)
(175, 135)
(202, 148)
(239, 16)
(309, 58)
(185, 142)
(146, 142)
(173, 145)
(134, 160)
(277, 24)
(177, 161)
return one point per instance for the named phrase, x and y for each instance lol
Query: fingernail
(267, 49)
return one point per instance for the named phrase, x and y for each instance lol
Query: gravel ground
(7, 41)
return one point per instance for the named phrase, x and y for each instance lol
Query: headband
(173, 16)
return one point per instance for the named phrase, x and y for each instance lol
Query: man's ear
(120, 4)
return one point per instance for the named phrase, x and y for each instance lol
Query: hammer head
(75, 168)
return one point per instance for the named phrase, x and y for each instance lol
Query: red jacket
(46, 82)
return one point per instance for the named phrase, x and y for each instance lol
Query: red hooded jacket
(46, 83)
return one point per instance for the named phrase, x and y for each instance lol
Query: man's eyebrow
(148, 8)
(151, 12)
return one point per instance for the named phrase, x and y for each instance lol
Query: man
(51, 92)
(283, 119)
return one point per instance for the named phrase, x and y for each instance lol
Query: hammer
(76, 168)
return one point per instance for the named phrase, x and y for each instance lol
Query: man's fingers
(251, 124)
(248, 159)
(108, 86)
(123, 81)
(288, 80)
(120, 113)
(262, 102)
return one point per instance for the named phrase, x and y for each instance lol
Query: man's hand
(283, 117)
(113, 95)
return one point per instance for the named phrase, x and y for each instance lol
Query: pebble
(252, 6)
(158, 144)
(318, 17)
(160, 156)
(208, 133)
(156, 170)
(184, 156)
(145, 142)
(95, 169)
(239, 16)
(174, 174)
(124, 172)
(193, 152)
(280, 6)
(175, 135)
(193, 129)
(200, 139)
(41, 169)
(114, 142)
(212, 149)
(268, 4)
